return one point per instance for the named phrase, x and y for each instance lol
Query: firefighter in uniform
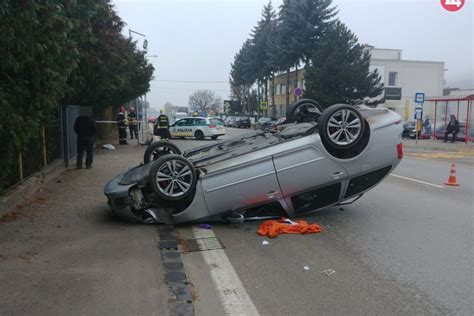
(122, 126)
(133, 123)
(163, 125)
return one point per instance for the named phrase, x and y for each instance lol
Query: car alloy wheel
(344, 127)
(173, 177)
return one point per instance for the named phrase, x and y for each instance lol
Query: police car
(198, 127)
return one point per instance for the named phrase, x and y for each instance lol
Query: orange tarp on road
(273, 228)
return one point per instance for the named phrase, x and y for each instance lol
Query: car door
(304, 170)
(175, 127)
(245, 184)
(181, 128)
(202, 125)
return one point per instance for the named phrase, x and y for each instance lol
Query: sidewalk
(437, 145)
(62, 253)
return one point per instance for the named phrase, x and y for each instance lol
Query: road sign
(263, 105)
(298, 92)
(418, 114)
(226, 106)
(419, 97)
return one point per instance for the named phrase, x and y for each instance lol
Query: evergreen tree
(111, 69)
(341, 73)
(243, 73)
(310, 20)
(302, 23)
(262, 38)
(55, 53)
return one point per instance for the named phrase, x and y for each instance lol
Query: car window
(217, 122)
(191, 122)
(181, 122)
(201, 122)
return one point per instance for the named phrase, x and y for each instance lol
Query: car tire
(304, 110)
(214, 137)
(341, 127)
(199, 135)
(173, 177)
(158, 149)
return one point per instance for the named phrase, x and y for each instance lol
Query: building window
(283, 89)
(392, 78)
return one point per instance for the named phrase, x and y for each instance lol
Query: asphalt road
(406, 247)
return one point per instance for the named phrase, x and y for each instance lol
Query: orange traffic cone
(452, 177)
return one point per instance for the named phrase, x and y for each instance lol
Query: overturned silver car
(315, 160)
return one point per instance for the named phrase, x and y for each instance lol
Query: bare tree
(204, 101)
(169, 107)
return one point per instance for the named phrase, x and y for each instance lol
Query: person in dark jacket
(133, 123)
(163, 123)
(121, 119)
(452, 128)
(85, 130)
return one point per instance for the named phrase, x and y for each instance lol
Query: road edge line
(418, 181)
(234, 298)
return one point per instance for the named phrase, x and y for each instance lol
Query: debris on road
(265, 242)
(108, 146)
(205, 226)
(328, 272)
(273, 228)
(306, 268)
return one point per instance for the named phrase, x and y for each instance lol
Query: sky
(195, 41)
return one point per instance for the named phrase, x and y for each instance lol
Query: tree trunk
(287, 88)
(296, 80)
(273, 93)
(258, 97)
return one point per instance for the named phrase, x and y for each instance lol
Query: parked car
(198, 127)
(408, 127)
(312, 164)
(272, 125)
(242, 122)
(229, 121)
(263, 122)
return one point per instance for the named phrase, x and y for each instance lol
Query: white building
(404, 78)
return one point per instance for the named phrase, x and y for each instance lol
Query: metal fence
(55, 141)
(40, 151)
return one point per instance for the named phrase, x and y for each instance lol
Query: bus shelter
(444, 107)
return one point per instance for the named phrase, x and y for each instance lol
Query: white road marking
(418, 181)
(235, 300)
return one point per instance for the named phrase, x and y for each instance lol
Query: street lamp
(144, 106)
(145, 42)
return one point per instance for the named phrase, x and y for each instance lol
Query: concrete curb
(426, 145)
